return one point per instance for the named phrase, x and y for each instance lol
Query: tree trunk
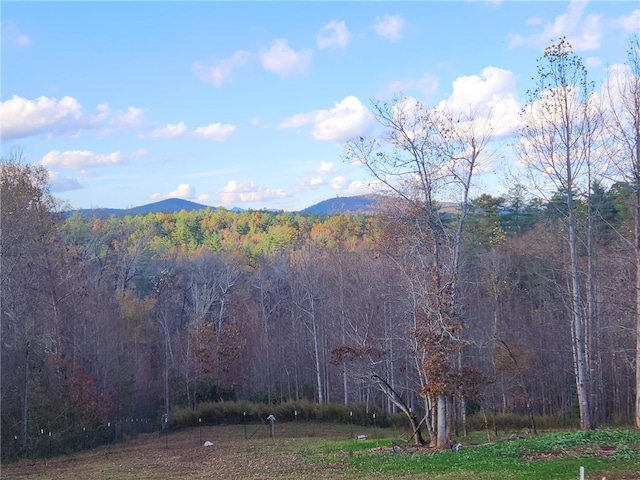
(637, 249)
(316, 356)
(166, 372)
(442, 440)
(634, 62)
(415, 426)
(25, 398)
(400, 403)
(580, 356)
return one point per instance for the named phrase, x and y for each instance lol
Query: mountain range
(331, 206)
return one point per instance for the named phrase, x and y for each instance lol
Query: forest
(521, 303)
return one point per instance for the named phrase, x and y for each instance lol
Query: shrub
(231, 412)
(511, 422)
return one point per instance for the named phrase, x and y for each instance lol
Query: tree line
(524, 303)
(130, 316)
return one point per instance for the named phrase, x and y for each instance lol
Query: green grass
(549, 456)
(324, 450)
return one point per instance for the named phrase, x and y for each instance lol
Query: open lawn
(329, 451)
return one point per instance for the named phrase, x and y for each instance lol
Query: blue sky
(248, 104)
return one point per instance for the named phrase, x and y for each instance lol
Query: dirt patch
(604, 451)
(183, 455)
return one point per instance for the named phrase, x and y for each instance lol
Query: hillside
(335, 206)
(332, 206)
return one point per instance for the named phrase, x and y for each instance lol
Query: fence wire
(50, 443)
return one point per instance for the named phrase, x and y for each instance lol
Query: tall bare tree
(557, 126)
(307, 309)
(421, 154)
(622, 95)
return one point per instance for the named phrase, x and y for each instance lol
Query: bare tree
(307, 305)
(420, 155)
(169, 312)
(268, 283)
(622, 96)
(28, 295)
(555, 142)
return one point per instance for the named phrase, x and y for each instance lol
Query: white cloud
(23, 118)
(390, 27)
(631, 23)
(326, 167)
(215, 131)
(427, 85)
(248, 192)
(616, 86)
(491, 95)
(407, 107)
(221, 72)
(184, 191)
(592, 62)
(333, 35)
(485, 104)
(62, 184)
(12, 37)
(584, 32)
(343, 186)
(314, 182)
(347, 119)
(170, 131)
(80, 159)
(533, 21)
(541, 112)
(102, 113)
(356, 187)
(131, 118)
(338, 183)
(280, 58)
(141, 152)
(474, 90)
(309, 183)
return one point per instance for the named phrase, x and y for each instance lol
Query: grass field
(329, 451)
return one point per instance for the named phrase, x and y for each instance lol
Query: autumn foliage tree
(420, 153)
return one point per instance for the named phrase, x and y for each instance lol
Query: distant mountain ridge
(169, 205)
(332, 206)
(337, 205)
